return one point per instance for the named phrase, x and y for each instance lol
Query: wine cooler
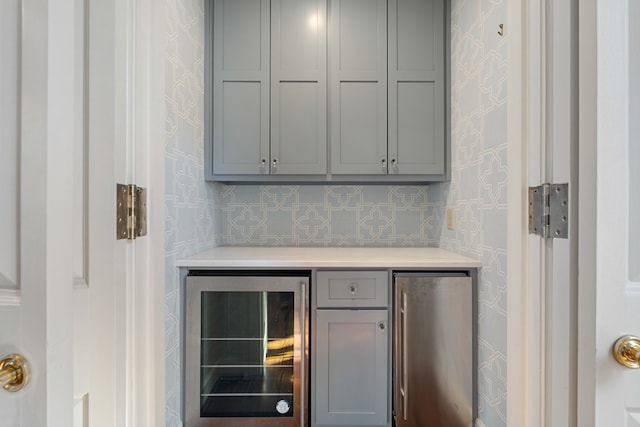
(246, 358)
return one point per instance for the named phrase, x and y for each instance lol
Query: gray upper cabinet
(240, 83)
(298, 87)
(416, 87)
(269, 86)
(326, 91)
(358, 46)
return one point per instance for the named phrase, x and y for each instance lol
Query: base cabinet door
(351, 368)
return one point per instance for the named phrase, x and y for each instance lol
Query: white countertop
(340, 257)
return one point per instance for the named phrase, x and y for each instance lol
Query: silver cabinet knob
(353, 288)
(383, 162)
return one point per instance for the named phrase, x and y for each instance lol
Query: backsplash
(203, 215)
(331, 215)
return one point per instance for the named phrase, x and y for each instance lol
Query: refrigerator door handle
(405, 359)
(303, 349)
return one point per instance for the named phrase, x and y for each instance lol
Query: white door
(609, 394)
(83, 308)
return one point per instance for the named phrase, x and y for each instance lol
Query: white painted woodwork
(46, 261)
(610, 298)
(298, 87)
(560, 166)
(9, 123)
(416, 87)
(358, 86)
(519, 345)
(241, 86)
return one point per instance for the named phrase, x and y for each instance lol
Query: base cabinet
(351, 368)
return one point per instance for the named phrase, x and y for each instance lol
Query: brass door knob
(14, 372)
(627, 351)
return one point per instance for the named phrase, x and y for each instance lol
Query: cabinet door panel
(241, 34)
(358, 87)
(240, 83)
(417, 40)
(416, 87)
(418, 143)
(241, 126)
(351, 368)
(358, 129)
(298, 148)
(298, 87)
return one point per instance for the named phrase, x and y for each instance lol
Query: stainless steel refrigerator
(434, 349)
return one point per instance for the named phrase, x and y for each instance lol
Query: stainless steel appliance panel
(246, 358)
(433, 350)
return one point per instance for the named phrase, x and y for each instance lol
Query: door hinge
(549, 211)
(131, 211)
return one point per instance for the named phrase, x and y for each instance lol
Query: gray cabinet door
(240, 84)
(351, 368)
(358, 87)
(416, 87)
(298, 87)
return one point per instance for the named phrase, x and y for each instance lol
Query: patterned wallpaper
(316, 215)
(478, 188)
(193, 221)
(202, 215)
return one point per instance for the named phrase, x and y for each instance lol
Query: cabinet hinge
(549, 211)
(131, 211)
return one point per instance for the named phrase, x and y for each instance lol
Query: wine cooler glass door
(245, 350)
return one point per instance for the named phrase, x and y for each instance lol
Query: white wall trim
(525, 323)
(10, 297)
(516, 279)
(587, 182)
(148, 254)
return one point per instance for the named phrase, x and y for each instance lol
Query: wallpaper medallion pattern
(192, 206)
(477, 191)
(332, 215)
(203, 215)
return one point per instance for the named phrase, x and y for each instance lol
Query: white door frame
(126, 131)
(541, 384)
(586, 353)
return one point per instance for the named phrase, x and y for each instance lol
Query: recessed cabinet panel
(416, 38)
(358, 87)
(417, 133)
(300, 27)
(359, 35)
(241, 124)
(241, 34)
(359, 134)
(298, 148)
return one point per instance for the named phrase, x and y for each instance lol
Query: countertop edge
(295, 257)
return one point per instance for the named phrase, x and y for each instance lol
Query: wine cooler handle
(303, 349)
(405, 359)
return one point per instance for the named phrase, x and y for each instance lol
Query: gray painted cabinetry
(293, 83)
(267, 110)
(350, 385)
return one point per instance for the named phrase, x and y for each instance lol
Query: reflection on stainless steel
(433, 368)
